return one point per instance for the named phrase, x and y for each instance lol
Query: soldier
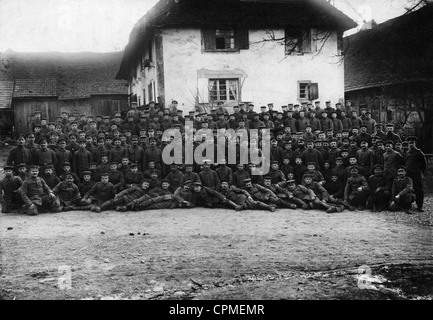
(174, 177)
(117, 152)
(415, 167)
(240, 175)
(101, 192)
(116, 177)
(68, 194)
(380, 191)
(82, 159)
(402, 192)
(50, 177)
(209, 198)
(365, 158)
(125, 199)
(392, 160)
(280, 193)
(183, 196)
(189, 175)
(314, 174)
(390, 135)
(67, 169)
(133, 177)
(99, 151)
(36, 194)
(312, 155)
(63, 155)
(356, 190)
(45, 156)
(22, 171)
(19, 154)
(86, 184)
(321, 196)
(10, 191)
(209, 177)
(224, 172)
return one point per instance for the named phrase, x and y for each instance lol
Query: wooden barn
(79, 83)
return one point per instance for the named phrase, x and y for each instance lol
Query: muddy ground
(217, 254)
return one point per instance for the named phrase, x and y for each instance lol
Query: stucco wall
(270, 76)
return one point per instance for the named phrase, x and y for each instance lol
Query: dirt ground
(216, 254)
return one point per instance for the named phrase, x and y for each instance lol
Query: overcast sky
(104, 25)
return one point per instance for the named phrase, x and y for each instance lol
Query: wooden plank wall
(52, 108)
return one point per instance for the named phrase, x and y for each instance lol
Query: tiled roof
(258, 14)
(397, 51)
(35, 88)
(6, 92)
(66, 75)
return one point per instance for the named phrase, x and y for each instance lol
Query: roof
(399, 50)
(35, 88)
(62, 74)
(258, 14)
(6, 92)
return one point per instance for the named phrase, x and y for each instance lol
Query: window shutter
(208, 39)
(306, 41)
(203, 90)
(313, 91)
(242, 38)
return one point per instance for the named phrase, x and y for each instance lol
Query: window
(297, 41)
(224, 39)
(308, 90)
(223, 89)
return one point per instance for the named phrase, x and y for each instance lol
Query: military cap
(50, 166)
(165, 180)
(247, 180)
(42, 141)
(310, 141)
(113, 163)
(146, 180)
(66, 164)
(378, 166)
(33, 166)
(37, 125)
(405, 144)
(69, 174)
(116, 139)
(401, 168)
(188, 165)
(291, 181)
(338, 158)
(412, 138)
(105, 174)
(351, 168)
(311, 164)
(389, 124)
(389, 142)
(363, 140)
(8, 168)
(197, 183)
(308, 176)
(274, 162)
(72, 134)
(267, 178)
(61, 140)
(21, 165)
(363, 125)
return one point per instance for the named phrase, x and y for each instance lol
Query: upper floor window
(224, 39)
(297, 41)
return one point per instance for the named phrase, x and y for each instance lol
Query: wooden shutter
(306, 41)
(313, 91)
(242, 39)
(208, 39)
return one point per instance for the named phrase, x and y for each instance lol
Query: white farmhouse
(198, 52)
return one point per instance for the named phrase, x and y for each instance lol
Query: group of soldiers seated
(331, 164)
